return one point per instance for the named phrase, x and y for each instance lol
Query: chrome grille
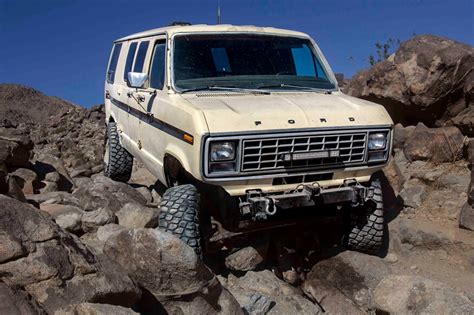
(268, 153)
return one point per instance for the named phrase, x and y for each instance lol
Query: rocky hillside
(429, 79)
(75, 242)
(22, 104)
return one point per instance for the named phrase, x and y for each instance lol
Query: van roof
(202, 28)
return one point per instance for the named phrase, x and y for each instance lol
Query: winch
(261, 206)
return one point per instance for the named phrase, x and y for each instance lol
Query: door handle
(107, 95)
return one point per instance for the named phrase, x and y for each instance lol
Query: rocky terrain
(75, 242)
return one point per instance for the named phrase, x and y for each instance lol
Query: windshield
(247, 61)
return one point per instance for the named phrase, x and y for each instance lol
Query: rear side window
(113, 63)
(140, 60)
(157, 72)
(129, 62)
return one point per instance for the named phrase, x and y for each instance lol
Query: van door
(152, 129)
(115, 89)
(136, 57)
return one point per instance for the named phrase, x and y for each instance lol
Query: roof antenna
(218, 11)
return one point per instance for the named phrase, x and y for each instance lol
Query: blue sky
(61, 47)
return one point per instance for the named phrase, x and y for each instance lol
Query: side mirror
(136, 79)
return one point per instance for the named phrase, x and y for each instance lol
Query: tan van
(243, 124)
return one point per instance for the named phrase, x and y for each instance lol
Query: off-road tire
(366, 230)
(118, 165)
(179, 215)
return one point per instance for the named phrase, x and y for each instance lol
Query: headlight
(377, 141)
(222, 151)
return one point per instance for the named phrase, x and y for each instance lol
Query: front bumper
(261, 206)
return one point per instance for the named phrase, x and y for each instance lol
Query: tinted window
(113, 63)
(157, 73)
(140, 60)
(129, 62)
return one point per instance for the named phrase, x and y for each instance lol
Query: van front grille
(303, 152)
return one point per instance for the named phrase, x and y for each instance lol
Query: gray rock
(466, 217)
(262, 290)
(146, 193)
(413, 193)
(48, 187)
(417, 295)
(52, 266)
(17, 302)
(92, 220)
(331, 299)
(419, 236)
(108, 230)
(57, 197)
(15, 148)
(166, 267)
(354, 274)
(134, 215)
(106, 193)
(401, 167)
(94, 309)
(53, 177)
(457, 183)
(67, 217)
(82, 181)
(14, 189)
(46, 163)
(27, 180)
(245, 259)
(401, 134)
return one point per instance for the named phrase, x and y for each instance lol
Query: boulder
(15, 148)
(465, 121)
(107, 194)
(401, 134)
(134, 215)
(413, 193)
(466, 217)
(94, 309)
(170, 270)
(245, 259)
(55, 197)
(263, 293)
(67, 217)
(92, 220)
(27, 179)
(417, 235)
(54, 267)
(428, 79)
(470, 153)
(14, 189)
(418, 295)
(354, 274)
(17, 302)
(438, 145)
(331, 299)
(46, 163)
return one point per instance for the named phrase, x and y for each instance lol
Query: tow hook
(260, 206)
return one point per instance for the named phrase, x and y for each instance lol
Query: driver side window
(157, 72)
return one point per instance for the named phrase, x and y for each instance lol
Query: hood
(238, 112)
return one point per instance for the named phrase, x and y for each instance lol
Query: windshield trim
(314, 47)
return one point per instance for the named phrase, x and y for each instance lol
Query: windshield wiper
(294, 86)
(225, 88)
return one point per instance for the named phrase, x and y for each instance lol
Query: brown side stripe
(155, 122)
